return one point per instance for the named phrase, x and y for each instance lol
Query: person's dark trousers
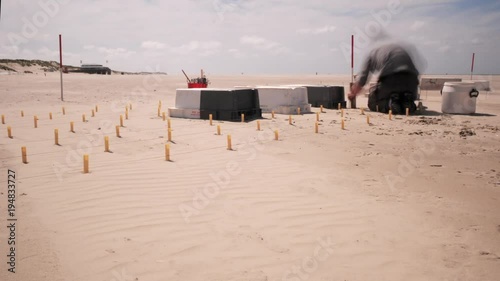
(394, 92)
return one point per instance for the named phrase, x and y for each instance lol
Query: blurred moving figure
(399, 66)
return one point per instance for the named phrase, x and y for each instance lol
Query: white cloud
(46, 52)
(152, 45)
(201, 48)
(236, 53)
(316, 31)
(444, 48)
(258, 42)
(89, 47)
(417, 25)
(477, 41)
(115, 52)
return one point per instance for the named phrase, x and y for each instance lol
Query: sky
(250, 36)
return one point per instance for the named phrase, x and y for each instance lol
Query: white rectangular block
(283, 100)
(184, 113)
(188, 98)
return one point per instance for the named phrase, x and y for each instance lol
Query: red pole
(352, 58)
(472, 66)
(353, 101)
(61, 66)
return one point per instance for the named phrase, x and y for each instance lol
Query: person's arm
(355, 90)
(362, 78)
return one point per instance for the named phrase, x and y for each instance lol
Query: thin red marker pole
(472, 65)
(61, 66)
(352, 58)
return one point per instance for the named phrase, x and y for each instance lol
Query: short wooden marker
(343, 124)
(56, 136)
(9, 132)
(210, 119)
(218, 130)
(290, 119)
(321, 108)
(258, 125)
(86, 164)
(72, 127)
(121, 120)
(167, 152)
(169, 123)
(377, 108)
(64, 110)
(35, 121)
(159, 111)
(362, 111)
(93, 113)
(316, 127)
(242, 118)
(126, 113)
(96, 108)
(407, 112)
(298, 110)
(317, 116)
(83, 118)
(276, 135)
(159, 103)
(339, 106)
(390, 114)
(170, 135)
(22, 113)
(164, 116)
(106, 144)
(272, 114)
(3, 119)
(229, 144)
(50, 115)
(24, 155)
(117, 129)
(341, 112)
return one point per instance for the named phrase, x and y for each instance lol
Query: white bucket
(459, 98)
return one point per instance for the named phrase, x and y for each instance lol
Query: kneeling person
(397, 85)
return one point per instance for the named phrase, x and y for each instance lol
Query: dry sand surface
(407, 199)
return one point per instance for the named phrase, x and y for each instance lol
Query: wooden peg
(85, 163)
(229, 144)
(24, 155)
(106, 144)
(167, 152)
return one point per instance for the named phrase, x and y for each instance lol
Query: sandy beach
(412, 198)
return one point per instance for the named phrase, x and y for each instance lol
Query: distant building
(93, 69)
